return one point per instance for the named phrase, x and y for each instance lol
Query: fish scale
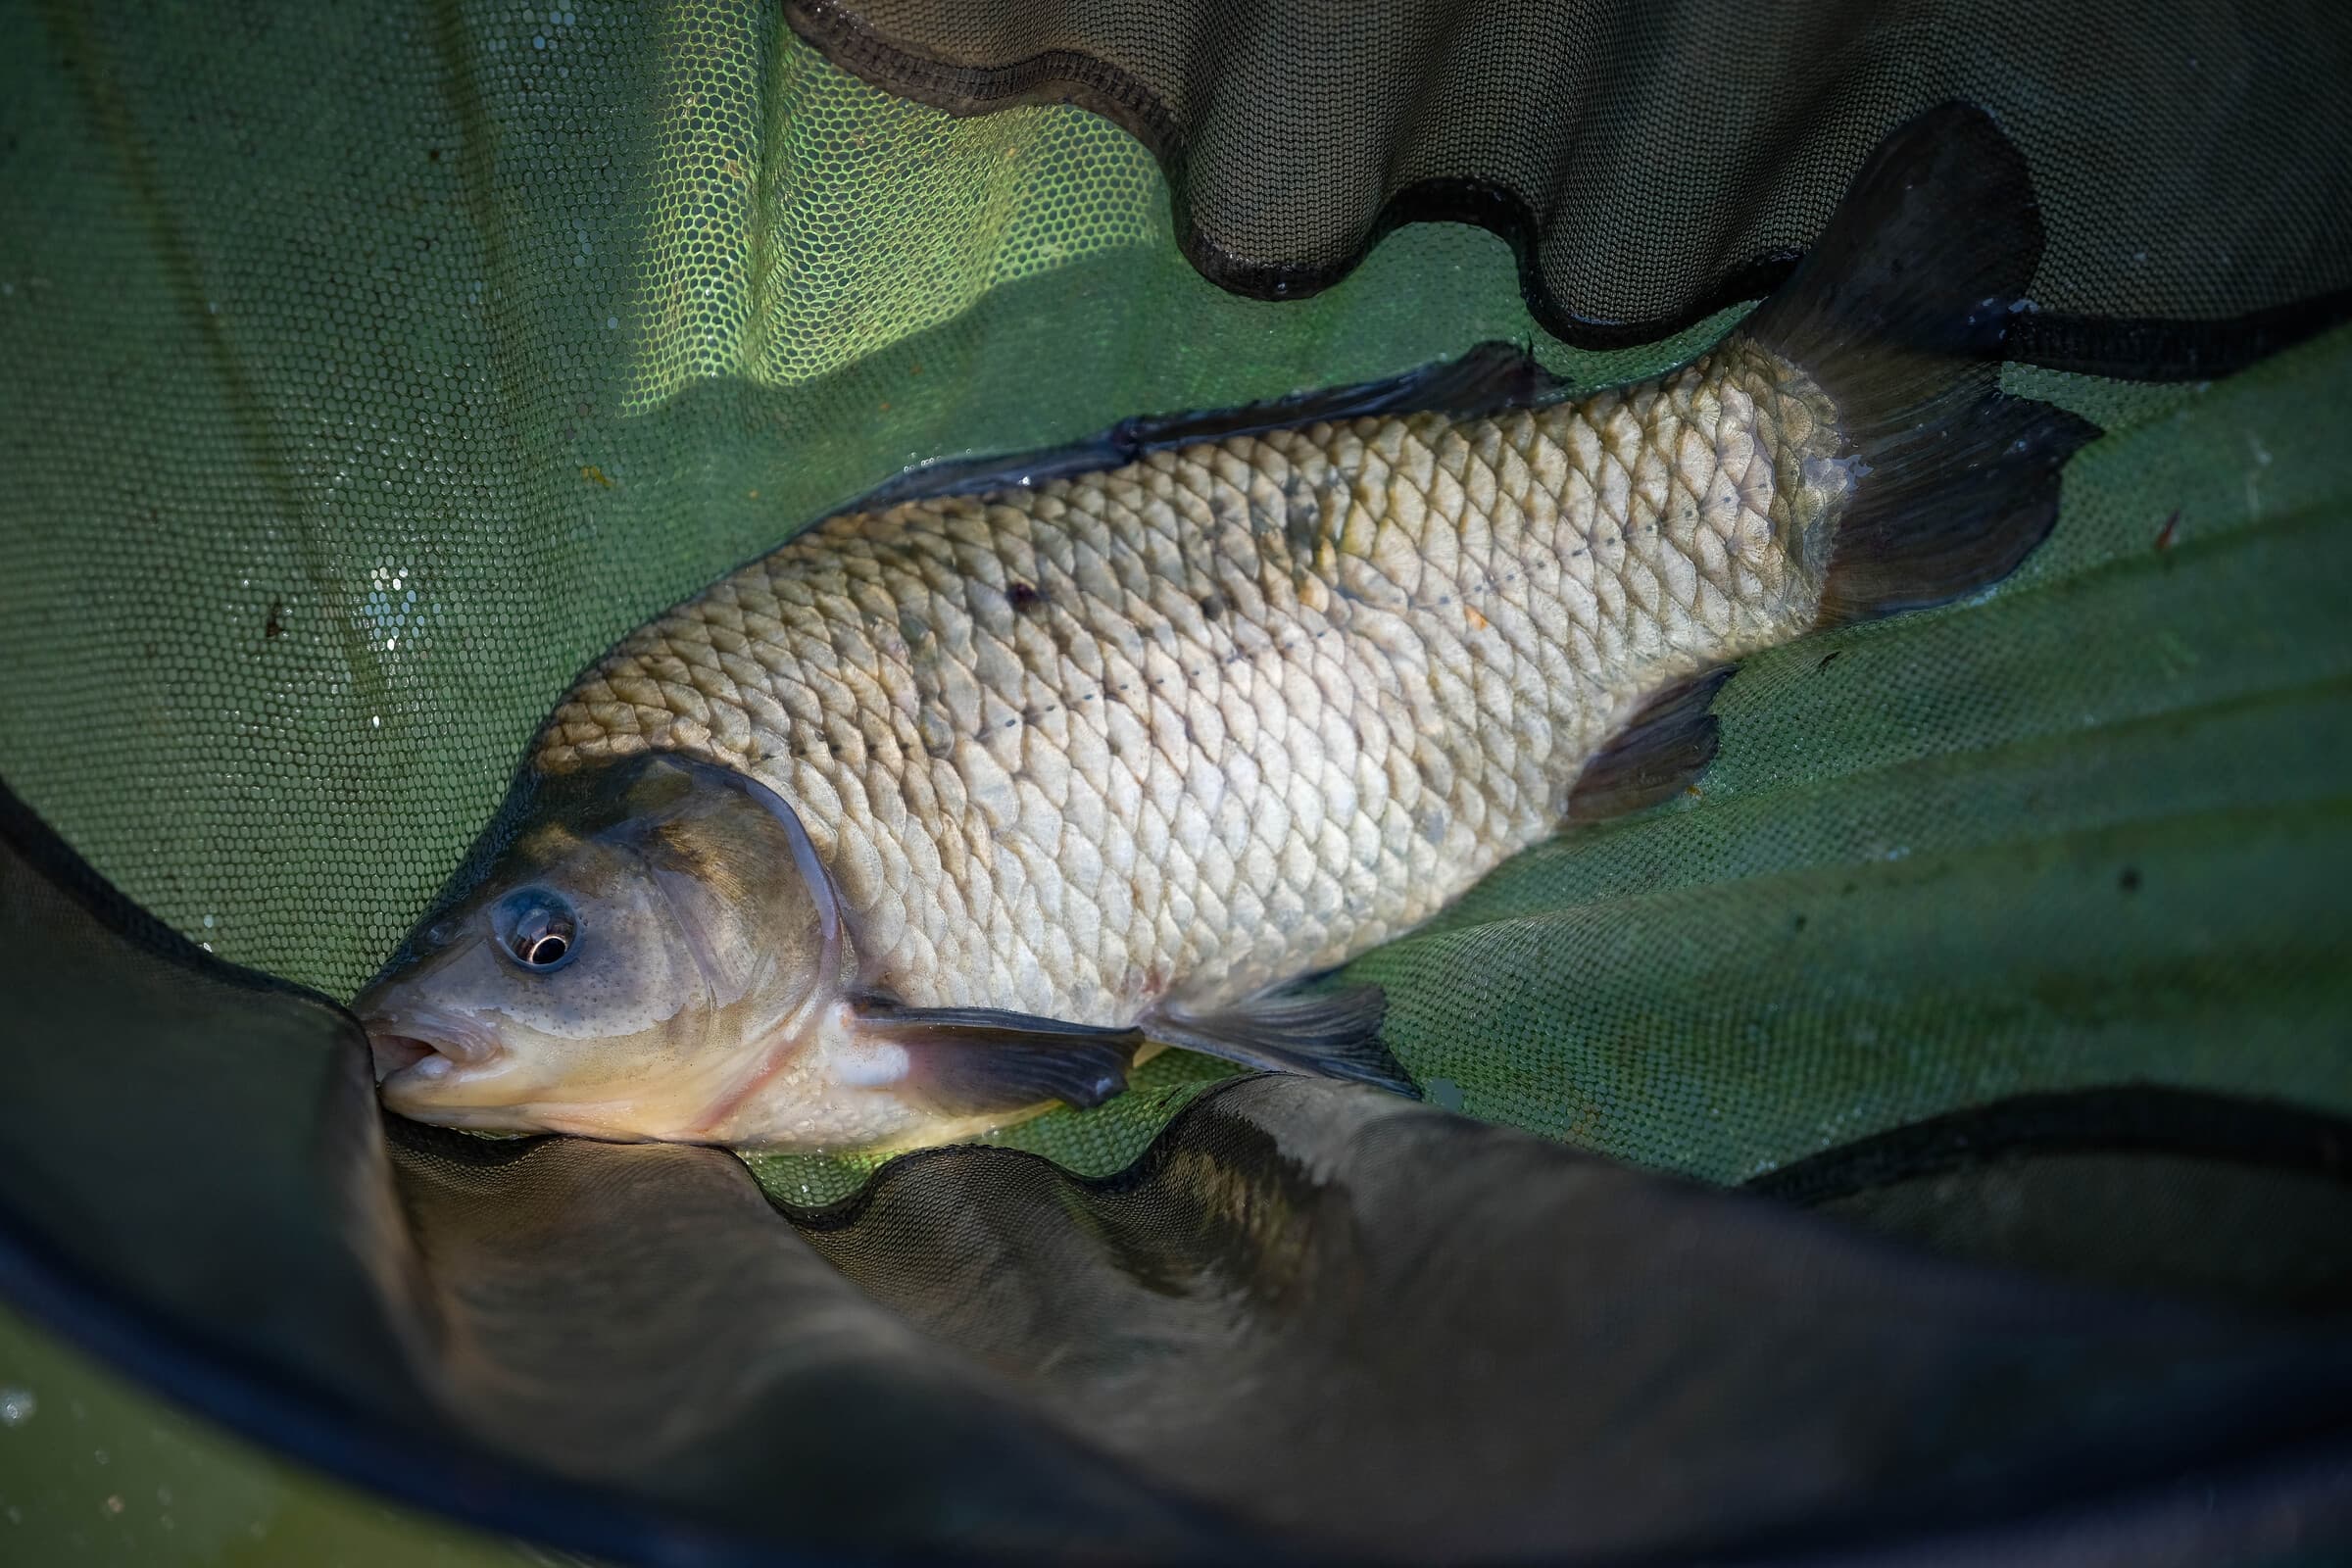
(1239, 711)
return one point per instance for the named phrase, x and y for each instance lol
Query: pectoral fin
(1328, 1034)
(971, 1060)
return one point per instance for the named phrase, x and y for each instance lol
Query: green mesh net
(98, 1473)
(351, 409)
(767, 254)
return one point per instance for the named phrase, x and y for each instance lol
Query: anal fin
(974, 1061)
(1658, 753)
(1325, 1034)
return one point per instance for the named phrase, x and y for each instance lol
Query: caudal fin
(1899, 312)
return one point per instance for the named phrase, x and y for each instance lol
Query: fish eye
(536, 929)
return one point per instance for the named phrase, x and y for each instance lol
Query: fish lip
(395, 1052)
(400, 1042)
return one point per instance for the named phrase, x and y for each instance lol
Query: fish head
(631, 944)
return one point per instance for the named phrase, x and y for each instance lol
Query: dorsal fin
(1491, 379)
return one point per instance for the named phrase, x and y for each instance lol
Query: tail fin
(1899, 312)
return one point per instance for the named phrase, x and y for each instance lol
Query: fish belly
(1240, 710)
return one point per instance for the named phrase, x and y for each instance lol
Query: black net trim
(2124, 1118)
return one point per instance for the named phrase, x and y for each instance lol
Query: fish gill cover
(371, 372)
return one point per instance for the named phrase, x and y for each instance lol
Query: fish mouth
(396, 1053)
(415, 1049)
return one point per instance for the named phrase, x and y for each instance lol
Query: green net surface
(767, 253)
(351, 410)
(94, 1472)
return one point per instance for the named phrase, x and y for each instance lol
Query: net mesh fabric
(758, 259)
(369, 373)
(1651, 159)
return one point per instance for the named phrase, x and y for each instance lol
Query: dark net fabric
(1314, 1321)
(1653, 161)
(370, 369)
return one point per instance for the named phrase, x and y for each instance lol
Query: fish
(968, 798)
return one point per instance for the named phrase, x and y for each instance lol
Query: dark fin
(993, 472)
(1661, 751)
(1325, 1034)
(971, 1060)
(1491, 379)
(1900, 310)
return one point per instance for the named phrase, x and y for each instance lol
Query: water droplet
(16, 1407)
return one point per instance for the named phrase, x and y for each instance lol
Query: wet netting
(1929, 1141)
